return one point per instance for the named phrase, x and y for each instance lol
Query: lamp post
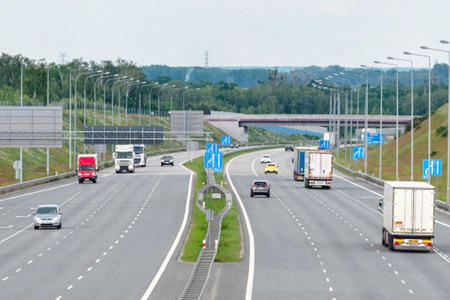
(109, 78)
(396, 118)
(48, 104)
(128, 87)
(448, 115)
(366, 112)
(380, 163)
(84, 89)
(429, 109)
(95, 96)
(149, 103)
(124, 78)
(159, 111)
(75, 113)
(412, 111)
(21, 104)
(70, 114)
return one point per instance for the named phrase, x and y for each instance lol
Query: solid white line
(163, 267)
(251, 262)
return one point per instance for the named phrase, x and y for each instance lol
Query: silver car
(48, 215)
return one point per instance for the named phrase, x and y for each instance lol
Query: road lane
(342, 227)
(115, 236)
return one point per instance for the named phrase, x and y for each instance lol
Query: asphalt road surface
(121, 239)
(323, 244)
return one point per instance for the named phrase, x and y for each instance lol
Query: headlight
(55, 219)
(37, 219)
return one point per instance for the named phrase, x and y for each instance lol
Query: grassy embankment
(438, 151)
(230, 238)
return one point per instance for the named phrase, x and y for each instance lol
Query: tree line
(275, 92)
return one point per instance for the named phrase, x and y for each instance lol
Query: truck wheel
(390, 242)
(94, 181)
(382, 237)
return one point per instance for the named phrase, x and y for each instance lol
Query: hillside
(438, 151)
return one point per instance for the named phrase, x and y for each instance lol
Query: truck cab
(140, 156)
(124, 158)
(87, 167)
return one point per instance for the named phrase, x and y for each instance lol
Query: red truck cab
(87, 167)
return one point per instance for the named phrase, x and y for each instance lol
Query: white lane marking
(251, 260)
(27, 216)
(6, 227)
(253, 167)
(172, 249)
(37, 192)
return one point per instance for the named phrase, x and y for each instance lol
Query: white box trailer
(408, 215)
(318, 169)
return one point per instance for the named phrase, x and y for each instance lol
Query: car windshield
(138, 150)
(167, 157)
(124, 154)
(271, 165)
(260, 183)
(46, 210)
(87, 168)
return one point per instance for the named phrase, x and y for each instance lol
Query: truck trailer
(318, 169)
(87, 167)
(140, 156)
(299, 161)
(408, 211)
(124, 158)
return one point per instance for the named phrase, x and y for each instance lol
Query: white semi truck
(408, 211)
(318, 169)
(140, 156)
(124, 158)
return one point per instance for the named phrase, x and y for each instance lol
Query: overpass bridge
(237, 125)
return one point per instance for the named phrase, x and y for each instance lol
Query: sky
(252, 33)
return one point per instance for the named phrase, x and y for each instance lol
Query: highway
(121, 239)
(114, 241)
(325, 244)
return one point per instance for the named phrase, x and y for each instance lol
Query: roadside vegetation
(438, 151)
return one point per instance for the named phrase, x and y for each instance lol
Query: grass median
(230, 237)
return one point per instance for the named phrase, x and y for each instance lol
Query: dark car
(289, 148)
(167, 160)
(235, 145)
(260, 187)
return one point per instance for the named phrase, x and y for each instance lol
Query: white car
(47, 215)
(266, 159)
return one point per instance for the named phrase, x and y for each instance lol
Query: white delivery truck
(318, 169)
(408, 211)
(124, 158)
(140, 156)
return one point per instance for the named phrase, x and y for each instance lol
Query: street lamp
(380, 164)
(95, 97)
(124, 79)
(84, 89)
(396, 119)
(75, 117)
(21, 104)
(114, 77)
(366, 111)
(429, 109)
(412, 111)
(129, 84)
(448, 115)
(149, 104)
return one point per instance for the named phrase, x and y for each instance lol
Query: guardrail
(439, 203)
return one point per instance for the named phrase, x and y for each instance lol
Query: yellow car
(271, 168)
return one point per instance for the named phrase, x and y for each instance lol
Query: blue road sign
(374, 138)
(435, 168)
(212, 147)
(358, 152)
(324, 144)
(213, 160)
(225, 140)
